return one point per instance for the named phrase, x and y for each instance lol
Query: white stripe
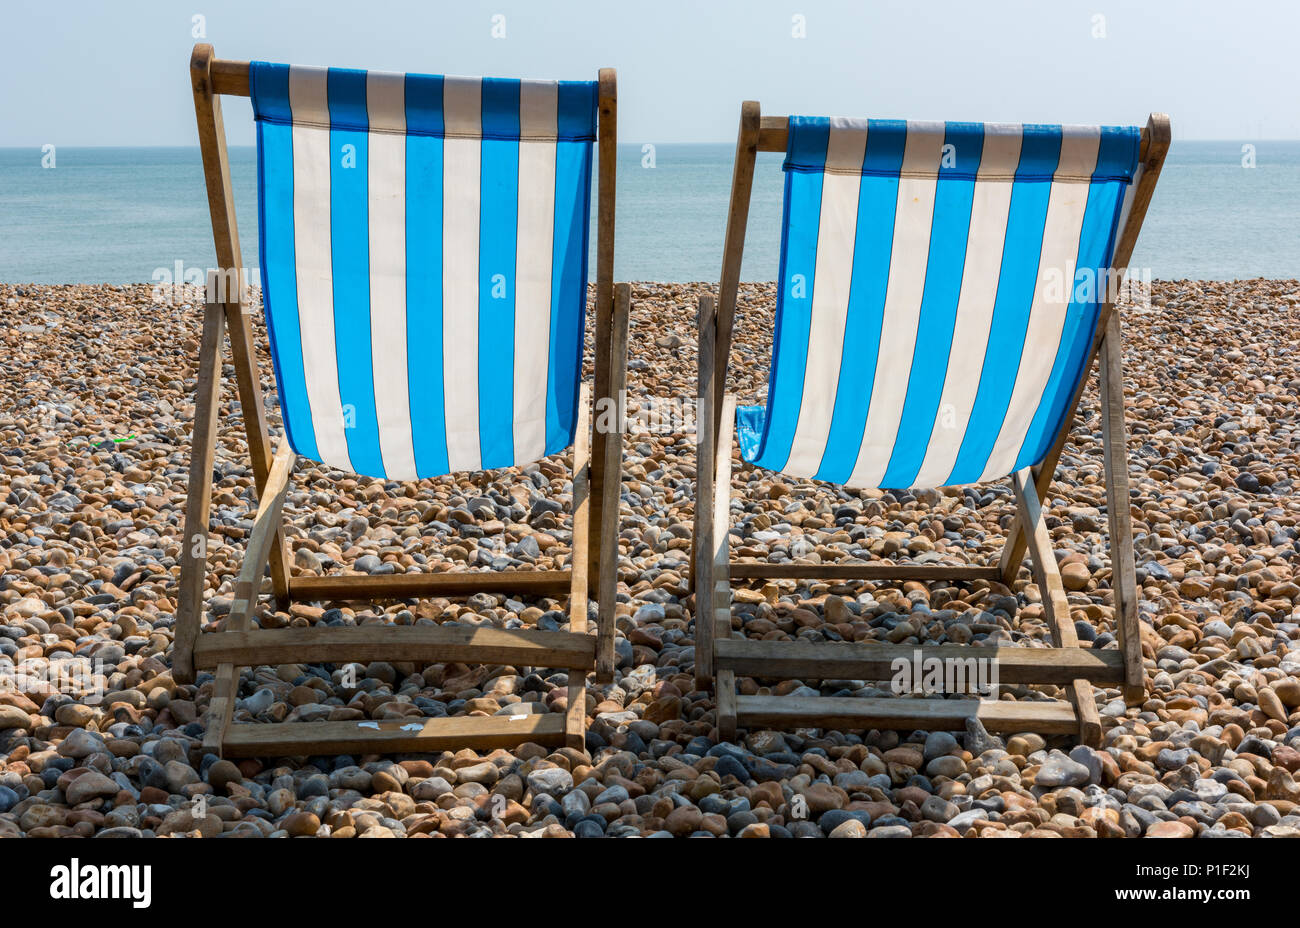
(535, 231)
(312, 158)
(990, 207)
(386, 101)
(386, 111)
(907, 264)
(462, 106)
(836, 232)
(462, 111)
(1066, 205)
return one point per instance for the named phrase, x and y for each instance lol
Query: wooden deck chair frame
(590, 572)
(1066, 664)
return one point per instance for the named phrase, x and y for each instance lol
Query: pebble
(90, 551)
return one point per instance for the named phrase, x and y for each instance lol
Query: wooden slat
(901, 570)
(450, 583)
(198, 501)
(606, 517)
(702, 579)
(427, 643)
(849, 713)
(413, 736)
(806, 660)
(1156, 138)
(1123, 577)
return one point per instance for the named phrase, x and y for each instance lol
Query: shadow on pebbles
(94, 422)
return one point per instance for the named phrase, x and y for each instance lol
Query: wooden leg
(1056, 607)
(575, 723)
(726, 702)
(733, 245)
(229, 276)
(606, 564)
(194, 543)
(720, 573)
(1123, 576)
(702, 549)
(261, 541)
(607, 368)
(609, 397)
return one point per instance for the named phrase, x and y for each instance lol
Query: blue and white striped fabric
(424, 264)
(940, 287)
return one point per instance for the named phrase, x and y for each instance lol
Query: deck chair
(919, 342)
(423, 245)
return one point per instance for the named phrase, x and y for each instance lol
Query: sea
(1222, 211)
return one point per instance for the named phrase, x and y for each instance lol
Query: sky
(82, 72)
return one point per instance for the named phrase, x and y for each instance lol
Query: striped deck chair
(944, 289)
(423, 245)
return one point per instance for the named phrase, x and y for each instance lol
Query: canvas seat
(423, 246)
(943, 291)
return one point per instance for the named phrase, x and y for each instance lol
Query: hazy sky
(114, 73)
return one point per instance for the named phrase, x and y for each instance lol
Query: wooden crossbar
(414, 735)
(806, 660)
(893, 570)
(423, 643)
(847, 712)
(385, 587)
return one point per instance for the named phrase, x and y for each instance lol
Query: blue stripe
(575, 118)
(350, 256)
(499, 108)
(1021, 251)
(269, 90)
(803, 197)
(949, 232)
(424, 162)
(498, 232)
(872, 252)
(1096, 245)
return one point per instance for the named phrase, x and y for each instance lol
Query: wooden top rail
(230, 77)
(773, 135)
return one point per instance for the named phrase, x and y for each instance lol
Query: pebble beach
(96, 408)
